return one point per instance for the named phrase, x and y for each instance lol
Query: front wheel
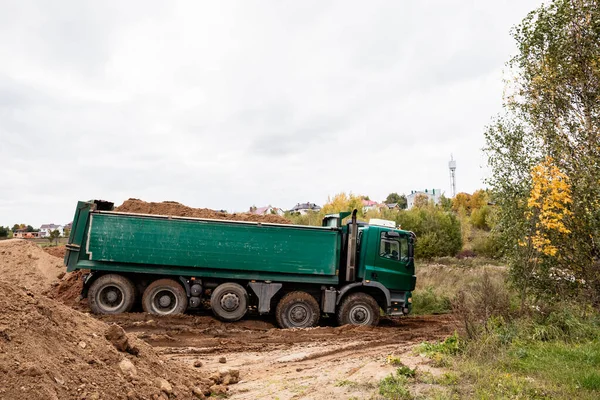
(297, 310)
(164, 297)
(111, 294)
(358, 309)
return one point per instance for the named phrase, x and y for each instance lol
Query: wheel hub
(111, 296)
(230, 302)
(359, 315)
(298, 314)
(164, 301)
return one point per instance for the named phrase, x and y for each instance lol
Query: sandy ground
(318, 363)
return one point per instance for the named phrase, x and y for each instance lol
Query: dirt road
(318, 363)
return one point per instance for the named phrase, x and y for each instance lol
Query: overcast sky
(227, 104)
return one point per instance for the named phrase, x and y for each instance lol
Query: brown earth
(324, 362)
(56, 251)
(26, 264)
(50, 351)
(318, 363)
(177, 209)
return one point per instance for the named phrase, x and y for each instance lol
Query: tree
(4, 232)
(421, 200)
(544, 153)
(395, 198)
(53, 236)
(30, 228)
(16, 227)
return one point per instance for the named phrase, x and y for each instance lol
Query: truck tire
(111, 294)
(297, 310)
(164, 297)
(358, 309)
(229, 301)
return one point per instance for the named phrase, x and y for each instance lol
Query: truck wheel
(358, 309)
(164, 297)
(111, 294)
(229, 301)
(297, 310)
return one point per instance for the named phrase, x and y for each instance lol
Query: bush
(488, 245)
(429, 301)
(438, 232)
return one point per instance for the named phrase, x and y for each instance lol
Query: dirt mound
(50, 351)
(69, 289)
(176, 209)
(56, 251)
(28, 265)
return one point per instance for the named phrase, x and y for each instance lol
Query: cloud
(230, 104)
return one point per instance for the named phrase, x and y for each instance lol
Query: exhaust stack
(351, 256)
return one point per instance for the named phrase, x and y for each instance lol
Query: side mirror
(411, 245)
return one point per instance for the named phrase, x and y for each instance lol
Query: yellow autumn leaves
(548, 205)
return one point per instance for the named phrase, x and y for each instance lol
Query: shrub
(489, 245)
(438, 232)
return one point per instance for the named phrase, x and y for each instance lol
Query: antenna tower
(452, 168)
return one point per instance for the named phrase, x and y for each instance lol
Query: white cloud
(229, 104)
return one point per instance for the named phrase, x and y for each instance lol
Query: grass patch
(430, 301)
(395, 387)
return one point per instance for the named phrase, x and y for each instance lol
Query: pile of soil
(26, 264)
(173, 208)
(50, 351)
(69, 289)
(56, 251)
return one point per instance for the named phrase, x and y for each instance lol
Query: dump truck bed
(203, 247)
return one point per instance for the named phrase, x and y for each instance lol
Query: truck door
(391, 265)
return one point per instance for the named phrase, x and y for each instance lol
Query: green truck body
(254, 264)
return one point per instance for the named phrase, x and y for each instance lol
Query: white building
(304, 208)
(432, 194)
(266, 210)
(47, 228)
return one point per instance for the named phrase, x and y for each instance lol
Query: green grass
(430, 301)
(395, 387)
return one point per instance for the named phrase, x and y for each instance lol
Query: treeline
(462, 226)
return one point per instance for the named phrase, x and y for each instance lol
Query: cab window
(393, 248)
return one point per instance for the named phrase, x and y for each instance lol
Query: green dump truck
(172, 264)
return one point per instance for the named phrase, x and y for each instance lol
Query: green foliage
(4, 232)
(395, 198)
(553, 114)
(452, 345)
(406, 371)
(53, 236)
(489, 245)
(395, 387)
(438, 232)
(430, 301)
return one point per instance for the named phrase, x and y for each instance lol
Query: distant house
(47, 228)
(266, 210)
(432, 194)
(23, 234)
(303, 208)
(393, 206)
(369, 205)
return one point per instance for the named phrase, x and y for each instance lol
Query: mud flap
(264, 292)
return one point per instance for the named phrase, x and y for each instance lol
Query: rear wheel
(229, 301)
(164, 297)
(358, 309)
(111, 294)
(297, 310)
